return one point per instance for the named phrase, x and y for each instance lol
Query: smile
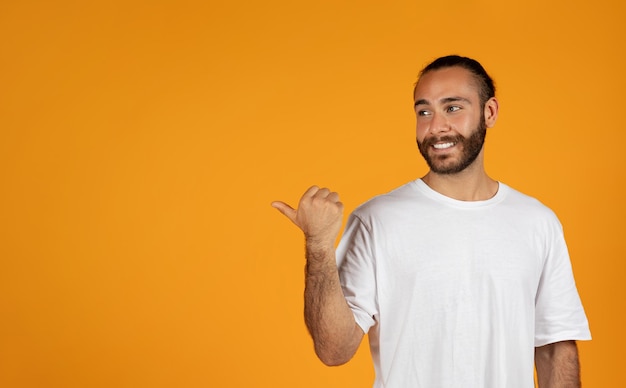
(442, 146)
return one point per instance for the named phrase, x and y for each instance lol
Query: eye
(423, 113)
(453, 108)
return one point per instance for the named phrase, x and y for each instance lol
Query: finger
(322, 193)
(311, 191)
(333, 197)
(287, 210)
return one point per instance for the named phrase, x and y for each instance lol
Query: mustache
(429, 141)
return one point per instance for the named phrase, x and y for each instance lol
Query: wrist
(321, 245)
(319, 254)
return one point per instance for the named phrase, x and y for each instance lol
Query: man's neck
(471, 184)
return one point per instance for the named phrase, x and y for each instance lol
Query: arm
(557, 365)
(327, 315)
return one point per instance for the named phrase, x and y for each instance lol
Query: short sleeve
(559, 314)
(355, 261)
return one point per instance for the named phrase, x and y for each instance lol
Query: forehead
(447, 82)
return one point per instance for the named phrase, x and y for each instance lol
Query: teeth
(441, 146)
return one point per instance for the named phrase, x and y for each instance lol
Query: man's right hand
(319, 215)
(328, 317)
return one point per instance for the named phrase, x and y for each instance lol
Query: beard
(470, 149)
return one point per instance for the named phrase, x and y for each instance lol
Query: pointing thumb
(287, 210)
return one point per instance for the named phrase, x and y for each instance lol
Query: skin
(557, 365)
(447, 104)
(330, 321)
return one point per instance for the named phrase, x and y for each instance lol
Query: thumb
(287, 210)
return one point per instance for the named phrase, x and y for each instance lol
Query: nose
(439, 123)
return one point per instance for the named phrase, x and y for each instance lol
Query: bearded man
(458, 279)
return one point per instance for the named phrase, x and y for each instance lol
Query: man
(459, 280)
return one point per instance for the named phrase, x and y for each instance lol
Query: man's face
(451, 125)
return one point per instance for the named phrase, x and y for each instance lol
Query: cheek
(460, 125)
(421, 129)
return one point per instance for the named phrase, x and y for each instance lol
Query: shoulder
(520, 199)
(397, 200)
(526, 206)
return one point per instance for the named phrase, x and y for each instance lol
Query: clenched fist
(319, 215)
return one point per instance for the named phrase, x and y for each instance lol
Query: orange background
(143, 141)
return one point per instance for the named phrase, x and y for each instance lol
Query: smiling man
(458, 279)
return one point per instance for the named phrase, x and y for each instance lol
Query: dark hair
(487, 89)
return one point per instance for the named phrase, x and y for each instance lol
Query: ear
(491, 112)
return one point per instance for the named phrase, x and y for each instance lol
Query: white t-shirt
(456, 293)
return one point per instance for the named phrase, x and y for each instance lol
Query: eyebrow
(445, 100)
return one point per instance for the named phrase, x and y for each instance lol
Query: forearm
(557, 365)
(328, 317)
